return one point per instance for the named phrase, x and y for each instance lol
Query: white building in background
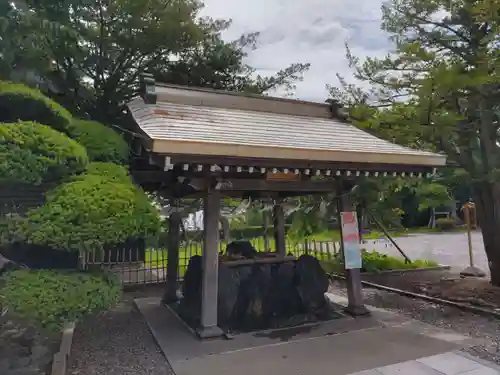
(194, 221)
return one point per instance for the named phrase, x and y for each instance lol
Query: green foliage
(48, 299)
(21, 103)
(373, 261)
(88, 214)
(446, 224)
(102, 143)
(34, 153)
(110, 171)
(114, 42)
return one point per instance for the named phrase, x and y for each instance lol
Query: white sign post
(350, 240)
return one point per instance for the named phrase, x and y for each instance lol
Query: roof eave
(280, 153)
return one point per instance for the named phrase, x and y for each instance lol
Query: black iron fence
(138, 265)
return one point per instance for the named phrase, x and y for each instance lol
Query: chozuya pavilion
(202, 142)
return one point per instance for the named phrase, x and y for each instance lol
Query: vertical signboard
(350, 240)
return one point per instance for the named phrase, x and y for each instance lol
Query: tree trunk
(487, 199)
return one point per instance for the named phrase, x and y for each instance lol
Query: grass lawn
(323, 243)
(158, 258)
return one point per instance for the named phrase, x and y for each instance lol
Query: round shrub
(19, 102)
(34, 153)
(110, 171)
(89, 214)
(102, 143)
(48, 298)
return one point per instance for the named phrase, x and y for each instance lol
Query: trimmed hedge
(89, 214)
(48, 298)
(110, 171)
(34, 153)
(102, 143)
(21, 103)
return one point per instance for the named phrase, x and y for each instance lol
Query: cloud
(313, 31)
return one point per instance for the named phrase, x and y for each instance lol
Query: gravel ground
(440, 316)
(117, 343)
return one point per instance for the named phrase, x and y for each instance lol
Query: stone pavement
(449, 363)
(384, 344)
(450, 249)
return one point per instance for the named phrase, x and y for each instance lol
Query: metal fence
(137, 265)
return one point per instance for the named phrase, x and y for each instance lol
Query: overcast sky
(311, 31)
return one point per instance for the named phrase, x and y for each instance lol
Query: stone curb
(410, 270)
(60, 359)
(462, 306)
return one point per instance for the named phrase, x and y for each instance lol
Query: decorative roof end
(337, 109)
(148, 92)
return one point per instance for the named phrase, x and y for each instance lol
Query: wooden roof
(202, 124)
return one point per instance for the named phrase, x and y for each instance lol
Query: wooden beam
(246, 262)
(249, 185)
(291, 164)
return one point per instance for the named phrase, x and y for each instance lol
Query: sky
(312, 31)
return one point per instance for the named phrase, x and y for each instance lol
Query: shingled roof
(191, 121)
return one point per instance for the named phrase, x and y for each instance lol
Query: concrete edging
(60, 359)
(408, 270)
(462, 306)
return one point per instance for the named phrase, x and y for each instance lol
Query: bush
(33, 153)
(19, 102)
(374, 261)
(89, 214)
(48, 298)
(446, 223)
(102, 143)
(110, 171)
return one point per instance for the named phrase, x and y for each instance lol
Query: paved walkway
(450, 249)
(384, 344)
(449, 363)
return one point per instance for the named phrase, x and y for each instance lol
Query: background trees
(439, 90)
(89, 54)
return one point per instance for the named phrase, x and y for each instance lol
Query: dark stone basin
(274, 293)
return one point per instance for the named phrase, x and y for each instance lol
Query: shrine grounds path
(449, 249)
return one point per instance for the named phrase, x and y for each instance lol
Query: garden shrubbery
(48, 299)
(373, 261)
(110, 171)
(89, 214)
(34, 153)
(102, 143)
(18, 102)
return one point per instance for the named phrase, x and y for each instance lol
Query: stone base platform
(339, 347)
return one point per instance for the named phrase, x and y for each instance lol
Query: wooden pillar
(279, 228)
(265, 215)
(355, 305)
(209, 292)
(173, 241)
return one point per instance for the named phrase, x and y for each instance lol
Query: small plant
(34, 153)
(22, 103)
(446, 224)
(48, 299)
(102, 143)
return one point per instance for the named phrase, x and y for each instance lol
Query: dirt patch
(447, 285)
